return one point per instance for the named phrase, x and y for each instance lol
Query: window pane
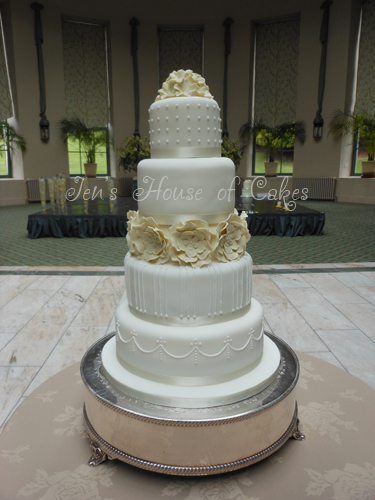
(73, 145)
(101, 160)
(75, 167)
(260, 158)
(3, 163)
(361, 156)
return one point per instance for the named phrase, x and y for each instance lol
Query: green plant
(91, 139)
(133, 150)
(10, 140)
(361, 125)
(230, 150)
(272, 139)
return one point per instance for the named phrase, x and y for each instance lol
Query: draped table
(97, 222)
(44, 449)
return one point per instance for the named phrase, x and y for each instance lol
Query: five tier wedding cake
(190, 334)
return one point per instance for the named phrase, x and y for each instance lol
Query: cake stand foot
(98, 455)
(297, 434)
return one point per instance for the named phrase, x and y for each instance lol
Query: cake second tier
(186, 188)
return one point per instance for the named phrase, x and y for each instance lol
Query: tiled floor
(48, 321)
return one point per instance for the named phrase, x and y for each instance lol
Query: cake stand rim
(202, 420)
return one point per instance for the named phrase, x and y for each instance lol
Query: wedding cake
(190, 334)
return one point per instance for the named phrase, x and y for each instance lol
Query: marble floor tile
(265, 290)
(362, 316)
(332, 289)
(53, 282)
(354, 279)
(61, 268)
(112, 282)
(297, 266)
(12, 286)
(114, 268)
(5, 338)
(16, 313)
(13, 381)
(42, 332)
(267, 326)
(329, 357)
(289, 281)
(82, 285)
(316, 310)
(367, 292)
(99, 308)
(289, 325)
(355, 264)
(74, 293)
(4, 277)
(7, 268)
(369, 274)
(354, 350)
(70, 349)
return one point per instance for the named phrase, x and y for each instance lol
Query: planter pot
(368, 168)
(90, 169)
(270, 168)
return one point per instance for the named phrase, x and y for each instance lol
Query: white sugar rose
(146, 240)
(233, 236)
(191, 243)
(183, 83)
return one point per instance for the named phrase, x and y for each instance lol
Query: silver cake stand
(188, 441)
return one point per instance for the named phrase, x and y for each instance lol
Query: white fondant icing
(138, 347)
(184, 127)
(173, 190)
(171, 291)
(244, 385)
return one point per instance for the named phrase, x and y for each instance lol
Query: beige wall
(324, 158)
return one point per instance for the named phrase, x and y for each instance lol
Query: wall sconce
(318, 127)
(44, 129)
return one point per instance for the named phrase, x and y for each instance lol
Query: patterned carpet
(349, 236)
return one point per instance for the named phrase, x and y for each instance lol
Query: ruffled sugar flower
(233, 236)
(191, 243)
(183, 83)
(146, 240)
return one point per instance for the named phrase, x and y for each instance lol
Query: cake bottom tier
(214, 394)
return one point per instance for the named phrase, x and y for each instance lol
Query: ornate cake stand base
(189, 441)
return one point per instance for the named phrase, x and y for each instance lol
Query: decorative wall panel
(366, 61)
(6, 106)
(276, 71)
(179, 49)
(85, 73)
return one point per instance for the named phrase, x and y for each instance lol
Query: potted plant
(91, 139)
(230, 150)
(273, 139)
(362, 126)
(133, 150)
(9, 139)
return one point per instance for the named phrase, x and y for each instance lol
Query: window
(6, 106)
(77, 159)
(275, 86)
(365, 93)
(179, 48)
(5, 160)
(86, 86)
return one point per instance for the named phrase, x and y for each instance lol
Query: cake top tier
(185, 119)
(183, 83)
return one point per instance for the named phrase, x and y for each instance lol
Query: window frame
(8, 162)
(281, 151)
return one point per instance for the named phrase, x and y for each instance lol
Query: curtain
(276, 71)
(6, 105)
(85, 73)
(366, 61)
(179, 49)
